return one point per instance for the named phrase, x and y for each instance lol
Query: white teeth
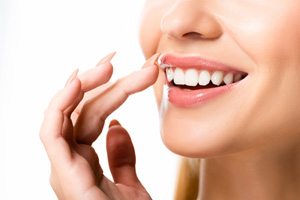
(228, 78)
(217, 77)
(204, 77)
(170, 74)
(179, 76)
(237, 77)
(191, 77)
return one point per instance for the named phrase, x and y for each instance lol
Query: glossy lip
(189, 98)
(195, 62)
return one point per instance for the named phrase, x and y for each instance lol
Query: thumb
(121, 156)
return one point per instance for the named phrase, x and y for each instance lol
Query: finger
(121, 156)
(98, 75)
(69, 111)
(91, 80)
(51, 129)
(90, 122)
(87, 96)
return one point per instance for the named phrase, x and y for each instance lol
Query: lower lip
(189, 98)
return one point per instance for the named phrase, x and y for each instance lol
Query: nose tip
(188, 21)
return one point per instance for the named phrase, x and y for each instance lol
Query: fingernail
(152, 60)
(114, 122)
(72, 77)
(106, 59)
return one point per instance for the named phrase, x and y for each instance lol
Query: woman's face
(233, 72)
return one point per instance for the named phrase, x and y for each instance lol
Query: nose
(190, 20)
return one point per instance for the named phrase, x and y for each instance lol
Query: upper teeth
(193, 77)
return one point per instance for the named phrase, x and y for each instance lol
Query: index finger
(93, 114)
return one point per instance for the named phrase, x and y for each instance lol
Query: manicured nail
(72, 77)
(152, 60)
(107, 58)
(114, 122)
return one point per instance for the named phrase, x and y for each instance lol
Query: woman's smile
(193, 80)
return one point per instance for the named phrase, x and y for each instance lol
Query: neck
(264, 173)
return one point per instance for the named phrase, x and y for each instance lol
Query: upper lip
(195, 62)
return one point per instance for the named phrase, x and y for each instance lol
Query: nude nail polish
(72, 77)
(152, 60)
(107, 58)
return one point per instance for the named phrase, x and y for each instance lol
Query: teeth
(179, 76)
(237, 77)
(228, 78)
(217, 77)
(170, 74)
(191, 77)
(204, 78)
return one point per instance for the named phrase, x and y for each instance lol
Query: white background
(41, 43)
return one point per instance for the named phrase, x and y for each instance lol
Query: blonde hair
(188, 179)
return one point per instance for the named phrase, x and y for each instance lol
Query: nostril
(193, 35)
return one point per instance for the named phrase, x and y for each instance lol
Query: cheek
(150, 28)
(150, 31)
(273, 42)
(149, 37)
(269, 37)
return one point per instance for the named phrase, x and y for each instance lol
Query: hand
(72, 123)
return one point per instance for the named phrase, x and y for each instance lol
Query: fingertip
(152, 60)
(75, 85)
(155, 70)
(114, 122)
(67, 96)
(121, 157)
(119, 147)
(97, 76)
(106, 59)
(109, 69)
(152, 74)
(117, 135)
(72, 77)
(103, 74)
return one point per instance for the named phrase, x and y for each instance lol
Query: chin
(196, 138)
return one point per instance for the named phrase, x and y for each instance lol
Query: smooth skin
(73, 122)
